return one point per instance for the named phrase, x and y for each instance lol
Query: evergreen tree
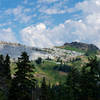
(7, 67)
(2, 95)
(2, 78)
(39, 60)
(89, 79)
(49, 91)
(60, 92)
(72, 85)
(24, 82)
(44, 90)
(5, 76)
(1, 65)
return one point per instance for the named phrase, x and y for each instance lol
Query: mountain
(15, 50)
(81, 47)
(58, 60)
(65, 52)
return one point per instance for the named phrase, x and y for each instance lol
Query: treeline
(79, 85)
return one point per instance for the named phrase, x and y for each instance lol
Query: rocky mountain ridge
(82, 46)
(15, 50)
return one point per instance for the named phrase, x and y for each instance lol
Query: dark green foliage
(7, 67)
(23, 81)
(90, 76)
(72, 84)
(5, 76)
(1, 65)
(2, 95)
(63, 68)
(44, 90)
(90, 52)
(39, 60)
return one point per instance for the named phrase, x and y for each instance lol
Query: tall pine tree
(24, 82)
(7, 67)
(72, 84)
(44, 90)
(5, 76)
(89, 79)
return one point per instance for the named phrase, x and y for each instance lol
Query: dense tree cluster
(5, 76)
(39, 60)
(81, 84)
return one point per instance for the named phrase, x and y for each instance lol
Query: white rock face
(15, 50)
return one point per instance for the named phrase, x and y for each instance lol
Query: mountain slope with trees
(48, 79)
(81, 84)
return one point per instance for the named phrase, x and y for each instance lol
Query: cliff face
(82, 46)
(14, 50)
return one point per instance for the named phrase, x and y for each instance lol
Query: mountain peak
(82, 46)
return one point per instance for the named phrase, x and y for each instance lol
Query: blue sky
(45, 23)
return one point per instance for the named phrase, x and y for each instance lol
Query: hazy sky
(44, 23)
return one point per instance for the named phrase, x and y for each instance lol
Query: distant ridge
(10, 43)
(68, 49)
(87, 49)
(82, 46)
(79, 45)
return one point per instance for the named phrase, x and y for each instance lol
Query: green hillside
(72, 48)
(51, 70)
(48, 78)
(45, 69)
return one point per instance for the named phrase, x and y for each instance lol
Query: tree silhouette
(44, 90)
(89, 79)
(7, 67)
(72, 84)
(39, 60)
(24, 82)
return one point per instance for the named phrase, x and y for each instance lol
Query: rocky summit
(82, 46)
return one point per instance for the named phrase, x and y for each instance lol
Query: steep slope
(15, 50)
